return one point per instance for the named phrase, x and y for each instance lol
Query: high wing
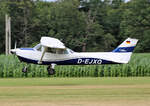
(52, 43)
(49, 42)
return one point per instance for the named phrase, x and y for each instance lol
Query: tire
(24, 70)
(50, 71)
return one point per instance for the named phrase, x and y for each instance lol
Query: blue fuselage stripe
(26, 49)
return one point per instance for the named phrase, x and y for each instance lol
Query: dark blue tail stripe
(124, 49)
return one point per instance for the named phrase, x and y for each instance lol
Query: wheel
(24, 70)
(50, 71)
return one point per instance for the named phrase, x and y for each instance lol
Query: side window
(66, 52)
(50, 50)
(59, 51)
(56, 51)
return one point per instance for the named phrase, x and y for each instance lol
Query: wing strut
(43, 52)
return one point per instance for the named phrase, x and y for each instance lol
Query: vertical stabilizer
(127, 46)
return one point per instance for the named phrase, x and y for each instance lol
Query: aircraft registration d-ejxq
(52, 51)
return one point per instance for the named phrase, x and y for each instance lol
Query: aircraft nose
(13, 51)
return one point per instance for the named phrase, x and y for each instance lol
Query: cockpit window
(60, 51)
(71, 51)
(50, 50)
(55, 51)
(39, 47)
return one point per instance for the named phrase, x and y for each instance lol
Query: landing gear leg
(25, 69)
(51, 70)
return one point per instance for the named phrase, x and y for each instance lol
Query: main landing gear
(51, 70)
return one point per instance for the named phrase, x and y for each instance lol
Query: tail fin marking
(127, 46)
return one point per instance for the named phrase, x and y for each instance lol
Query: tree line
(83, 25)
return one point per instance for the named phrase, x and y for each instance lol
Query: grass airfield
(134, 91)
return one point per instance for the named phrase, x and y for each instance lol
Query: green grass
(73, 81)
(133, 91)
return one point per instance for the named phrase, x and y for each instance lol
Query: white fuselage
(75, 58)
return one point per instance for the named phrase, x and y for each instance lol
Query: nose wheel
(51, 70)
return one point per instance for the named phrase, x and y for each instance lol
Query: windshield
(70, 51)
(38, 47)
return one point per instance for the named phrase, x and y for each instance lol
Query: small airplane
(51, 51)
